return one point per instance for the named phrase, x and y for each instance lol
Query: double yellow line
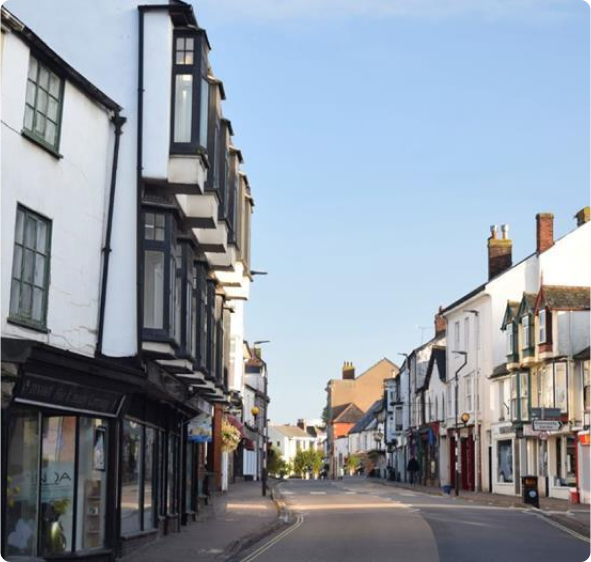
(275, 540)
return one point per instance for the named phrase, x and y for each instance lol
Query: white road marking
(407, 494)
(559, 526)
(272, 542)
(350, 493)
(318, 493)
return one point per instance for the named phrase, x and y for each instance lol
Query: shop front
(60, 415)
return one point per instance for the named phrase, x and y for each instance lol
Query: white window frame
(542, 320)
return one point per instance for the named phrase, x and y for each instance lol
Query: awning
(237, 424)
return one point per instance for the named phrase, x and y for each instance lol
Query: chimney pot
(500, 252)
(544, 232)
(582, 216)
(505, 231)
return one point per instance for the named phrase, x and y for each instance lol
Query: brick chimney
(348, 371)
(500, 250)
(440, 323)
(301, 424)
(544, 231)
(582, 216)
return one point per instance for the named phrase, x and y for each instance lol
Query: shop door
(452, 461)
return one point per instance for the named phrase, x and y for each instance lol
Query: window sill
(28, 325)
(41, 144)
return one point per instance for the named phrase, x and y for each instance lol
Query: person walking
(412, 469)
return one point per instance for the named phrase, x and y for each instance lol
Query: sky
(382, 139)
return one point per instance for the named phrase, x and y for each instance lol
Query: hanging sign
(543, 436)
(199, 429)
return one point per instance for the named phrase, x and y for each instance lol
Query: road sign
(543, 436)
(546, 425)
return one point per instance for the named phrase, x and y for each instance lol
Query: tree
(325, 415)
(276, 464)
(308, 461)
(353, 462)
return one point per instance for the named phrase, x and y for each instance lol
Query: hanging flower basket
(230, 436)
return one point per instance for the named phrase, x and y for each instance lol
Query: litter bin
(529, 489)
(574, 495)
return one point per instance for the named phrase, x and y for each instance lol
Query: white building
(289, 439)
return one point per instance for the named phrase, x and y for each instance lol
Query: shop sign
(584, 439)
(546, 425)
(199, 429)
(545, 413)
(68, 396)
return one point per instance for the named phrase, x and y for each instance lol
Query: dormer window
(526, 327)
(542, 326)
(190, 96)
(510, 339)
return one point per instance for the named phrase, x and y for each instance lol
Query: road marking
(350, 493)
(272, 542)
(559, 526)
(318, 493)
(408, 494)
(287, 493)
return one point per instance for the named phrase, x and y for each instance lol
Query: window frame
(168, 247)
(198, 71)
(542, 326)
(526, 329)
(31, 133)
(18, 317)
(510, 343)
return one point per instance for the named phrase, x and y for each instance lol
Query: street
(354, 520)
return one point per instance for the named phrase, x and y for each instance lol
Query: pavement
(575, 517)
(361, 519)
(235, 520)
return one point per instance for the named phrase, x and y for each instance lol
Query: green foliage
(325, 415)
(353, 462)
(276, 465)
(308, 461)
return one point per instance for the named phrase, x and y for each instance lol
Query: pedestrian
(341, 472)
(413, 468)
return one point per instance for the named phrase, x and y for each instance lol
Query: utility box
(529, 490)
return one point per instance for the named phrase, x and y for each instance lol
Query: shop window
(30, 269)
(524, 396)
(560, 390)
(505, 461)
(586, 386)
(150, 471)
(56, 504)
(131, 467)
(171, 497)
(92, 484)
(22, 483)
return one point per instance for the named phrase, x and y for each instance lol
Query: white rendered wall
(157, 94)
(71, 191)
(101, 42)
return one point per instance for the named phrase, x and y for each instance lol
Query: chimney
(348, 371)
(544, 231)
(301, 424)
(440, 323)
(500, 250)
(582, 216)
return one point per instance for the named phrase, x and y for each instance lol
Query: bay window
(190, 92)
(526, 331)
(201, 317)
(510, 340)
(542, 319)
(161, 273)
(524, 395)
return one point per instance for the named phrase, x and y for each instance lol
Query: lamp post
(456, 408)
(477, 458)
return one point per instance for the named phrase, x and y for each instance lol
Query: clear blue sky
(381, 139)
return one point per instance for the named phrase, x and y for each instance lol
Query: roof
(528, 302)
(466, 297)
(510, 313)
(290, 430)
(582, 355)
(500, 370)
(72, 75)
(437, 358)
(375, 365)
(347, 413)
(561, 297)
(368, 417)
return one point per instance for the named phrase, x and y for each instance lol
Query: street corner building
(125, 269)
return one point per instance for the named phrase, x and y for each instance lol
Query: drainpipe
(118, 121)
(139, 233)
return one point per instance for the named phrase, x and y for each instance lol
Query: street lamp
(457, 467)
(477, 452)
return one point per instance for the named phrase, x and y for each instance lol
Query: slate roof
(500, 370)
(584, 354)
(560, 297)
(290, 430)
(368, 417)
(347, 413)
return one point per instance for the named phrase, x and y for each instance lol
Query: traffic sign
(546, 425)
(543, 436)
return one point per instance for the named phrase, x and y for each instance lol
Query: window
(150, 460)
(30, 268)
(43, 104)
(514, 397)
(457, 335)
(466, 334)
(524, 395)
(162, 282)
(469, 394)
(56, 492)
(505, 461)
(526, 327)
(560, 390)
(510, 340)
(586, 386)
(131, 467)
(190, 90)
(542, 326)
